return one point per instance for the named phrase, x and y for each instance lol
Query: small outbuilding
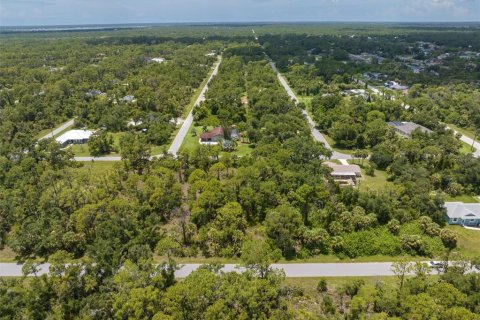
(74, 137)
(464, 214)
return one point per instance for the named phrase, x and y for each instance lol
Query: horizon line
(244, 22)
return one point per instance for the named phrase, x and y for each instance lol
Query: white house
(74, 137)
(464, 214)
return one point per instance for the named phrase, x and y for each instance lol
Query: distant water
(90, 27)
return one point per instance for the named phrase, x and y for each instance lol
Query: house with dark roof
(405, 128)
(464, 214)
(213, 136)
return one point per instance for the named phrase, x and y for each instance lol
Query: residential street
(292, 270)
(56, 131)
(177, 142)
(315, 133)
(89, 159)
(469, 141)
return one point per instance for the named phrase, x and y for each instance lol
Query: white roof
(159, 60)
(463, 210)
(74, 135)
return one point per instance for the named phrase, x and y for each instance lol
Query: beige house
(345, 174)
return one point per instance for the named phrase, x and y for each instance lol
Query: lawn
(376, 183)
(96, 168)
(468, 242)
(466, 148)
(191, 142)
(463, 198)
(7, 255)
(331, 142)
(306, 100)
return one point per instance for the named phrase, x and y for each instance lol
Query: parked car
(435, 264)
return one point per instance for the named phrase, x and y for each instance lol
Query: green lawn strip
(468, 243)
(96, 168)
(317, 259)
(462, 198)
(466, 148)
(7, 255)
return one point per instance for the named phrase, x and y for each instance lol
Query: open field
(97, 168)
(468, 243)
(7, 255)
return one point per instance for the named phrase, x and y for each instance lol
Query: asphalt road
(177, 142)
(292, 270)
(469, 141)
(56, 131)
(90, 159)
(315, 133)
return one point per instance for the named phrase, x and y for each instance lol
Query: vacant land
(468, 241)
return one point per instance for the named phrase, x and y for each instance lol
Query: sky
(61, 12)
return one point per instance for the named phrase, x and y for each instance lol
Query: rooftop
(339, 169)
(460, 209)
(74, 135)
(213, 133)
(407, 127)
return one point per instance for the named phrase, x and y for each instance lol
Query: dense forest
(113, 231)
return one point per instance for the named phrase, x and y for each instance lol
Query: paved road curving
(469, 141)
(177, 142)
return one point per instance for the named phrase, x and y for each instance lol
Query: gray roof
(339, 169)
(407, 127)
(463, 210)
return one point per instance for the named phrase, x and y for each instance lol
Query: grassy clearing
(317, 259)
(96, 168)
(7, 255)
(466, 148)
(376, 183)
(306, 100)
(468, 242)
(191, 142)
(463, 198)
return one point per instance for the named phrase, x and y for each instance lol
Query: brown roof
(218, 131)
